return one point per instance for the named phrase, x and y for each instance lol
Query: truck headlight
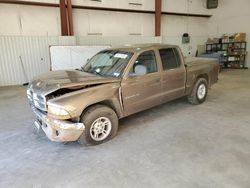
(28, 92)
(29, 95)
(54, 110)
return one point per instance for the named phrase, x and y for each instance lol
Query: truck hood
(70, 79)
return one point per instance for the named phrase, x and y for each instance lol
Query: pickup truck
(85, 105)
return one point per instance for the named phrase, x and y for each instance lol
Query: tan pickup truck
(85, 105)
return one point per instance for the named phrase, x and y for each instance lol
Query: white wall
(173, 27)
(34, 53)
(231, 17)
(115, 28)
(146, 4)
(29, 20)
(120, 24)
(45, 21)
(88, 22)
(41, 21)
(191, 6)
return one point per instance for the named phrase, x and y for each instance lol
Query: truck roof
(140, 47)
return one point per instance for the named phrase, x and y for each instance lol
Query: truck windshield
(108, 63)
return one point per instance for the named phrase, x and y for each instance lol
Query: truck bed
(192, 61)
(200, 66)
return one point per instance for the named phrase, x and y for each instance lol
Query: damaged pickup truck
(85, 105)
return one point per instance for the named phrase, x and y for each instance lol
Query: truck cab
(154, 76)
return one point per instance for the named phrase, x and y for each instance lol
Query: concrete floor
(172, 145)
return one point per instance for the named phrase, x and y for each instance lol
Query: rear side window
(170, 58)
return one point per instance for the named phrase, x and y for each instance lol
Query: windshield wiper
(93, 72)
(98, 73)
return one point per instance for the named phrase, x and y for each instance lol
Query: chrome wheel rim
(201, 92)
(100, 129)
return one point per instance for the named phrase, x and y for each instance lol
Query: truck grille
(36, 100)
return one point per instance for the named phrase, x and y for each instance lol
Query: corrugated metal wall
(187, 49)
(34, 53)
(99, 40)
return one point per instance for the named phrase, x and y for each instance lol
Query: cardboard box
(225, 39)
(212, 40)
(240, 37)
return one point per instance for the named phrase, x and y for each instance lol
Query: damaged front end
(60, 121)
(57, 123)
(58, 130)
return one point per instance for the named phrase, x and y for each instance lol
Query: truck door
(141, 89)
(173, 74)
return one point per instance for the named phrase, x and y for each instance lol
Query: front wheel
(101, 124)
(199, 92)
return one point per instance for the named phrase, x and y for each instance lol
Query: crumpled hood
(54, 80)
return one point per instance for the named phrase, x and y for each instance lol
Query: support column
(63, 14)
(70, 18)
(157, 17)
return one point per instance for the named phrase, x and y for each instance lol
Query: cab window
(170, 58)
(144, 64)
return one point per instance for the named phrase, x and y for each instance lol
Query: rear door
(142, 90)
(173, 74)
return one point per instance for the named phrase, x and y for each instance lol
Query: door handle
(158, 80)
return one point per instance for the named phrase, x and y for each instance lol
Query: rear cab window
(170, 58)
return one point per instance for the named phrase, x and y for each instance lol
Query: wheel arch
(109, 103)
(195, 78)
(203, 75)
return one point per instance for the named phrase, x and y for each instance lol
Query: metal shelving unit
(234, 59)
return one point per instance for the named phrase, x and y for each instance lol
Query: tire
(199, 92)
(101, 125)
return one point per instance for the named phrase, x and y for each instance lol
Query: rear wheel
(199, 92)
(101, 124)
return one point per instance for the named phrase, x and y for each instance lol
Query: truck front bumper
(58, 130)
